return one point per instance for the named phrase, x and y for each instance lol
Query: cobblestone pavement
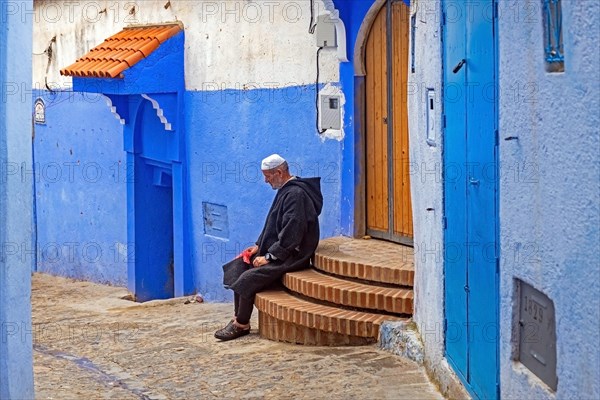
(91, 344)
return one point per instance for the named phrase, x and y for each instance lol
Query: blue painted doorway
(151, 209)
(471, 194)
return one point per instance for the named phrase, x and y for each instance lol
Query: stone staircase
(354, 285)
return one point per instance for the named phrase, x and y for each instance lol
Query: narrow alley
(91, 344)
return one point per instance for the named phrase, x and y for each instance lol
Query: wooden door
(389, 210)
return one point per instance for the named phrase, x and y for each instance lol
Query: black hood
(312, 186)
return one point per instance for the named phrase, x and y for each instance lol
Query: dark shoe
(231, 331)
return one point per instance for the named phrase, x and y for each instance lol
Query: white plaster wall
(230, 44)
(549, 216)
(427, 195)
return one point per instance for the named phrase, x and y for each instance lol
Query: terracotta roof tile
(150, 47)
(121, 51)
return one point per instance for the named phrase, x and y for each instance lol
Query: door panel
(389, 209)
(455, 199)
(402, 201)
(376, 110)
(481, 217)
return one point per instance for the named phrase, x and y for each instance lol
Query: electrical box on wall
(537, 333)
(431, 117)
(331, 112)
(325, 31)
(216, 220)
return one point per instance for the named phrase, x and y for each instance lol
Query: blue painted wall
(16, 233)
(228, 133)
(80, 181)
(352, 13)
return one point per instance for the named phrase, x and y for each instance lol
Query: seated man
(288, 241)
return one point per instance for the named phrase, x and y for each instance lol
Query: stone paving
(89, 343)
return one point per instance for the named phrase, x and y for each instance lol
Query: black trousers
(245, 282)
(243, 308)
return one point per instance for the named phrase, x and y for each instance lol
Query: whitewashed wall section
(230, 44)
(427, 193)
(549, 196)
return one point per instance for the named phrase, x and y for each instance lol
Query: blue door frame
(471, 194)
(158, 265)
(150, 211)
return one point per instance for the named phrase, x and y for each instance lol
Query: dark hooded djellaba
(287, 242)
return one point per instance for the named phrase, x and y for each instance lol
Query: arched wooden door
(388, 202)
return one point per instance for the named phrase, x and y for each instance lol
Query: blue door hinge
(444, 121)
(497, 266)
(497, 139)
(443, 18)
(445, 326)
(445, 223)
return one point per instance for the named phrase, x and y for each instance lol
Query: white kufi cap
(273, 161)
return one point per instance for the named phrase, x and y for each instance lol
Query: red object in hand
(246, 254)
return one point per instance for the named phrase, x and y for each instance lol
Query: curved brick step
(371, 260)
(281, 331)
(282, 308)
(319, 286)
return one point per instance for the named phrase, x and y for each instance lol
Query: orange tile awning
(121, 51)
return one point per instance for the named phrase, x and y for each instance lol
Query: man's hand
(248, 253)
(252, 250)
(259, 262)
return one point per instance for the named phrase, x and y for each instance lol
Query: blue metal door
(471, 211)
